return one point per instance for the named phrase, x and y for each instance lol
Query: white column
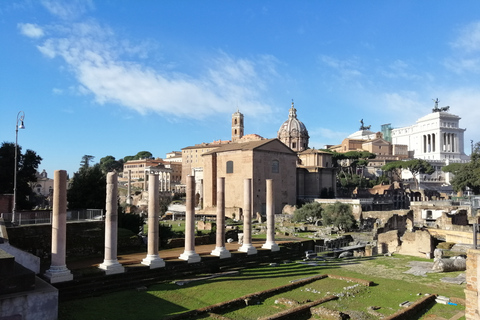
(58, 271)
(247, 219)
(153, 259)
(110, 263)
(220, 249)
(189, 254)
(270, 243)
(129, 188)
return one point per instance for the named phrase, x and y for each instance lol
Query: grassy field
(392, 287)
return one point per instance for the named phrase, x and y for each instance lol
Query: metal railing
(45, 217)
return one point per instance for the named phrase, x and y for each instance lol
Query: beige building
(258, 160)
(316, 176)
(169, 172)
(293, 132)
(43, 186)
(373, 142)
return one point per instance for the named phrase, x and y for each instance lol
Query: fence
(45, 217)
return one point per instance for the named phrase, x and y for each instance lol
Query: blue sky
(118, 77)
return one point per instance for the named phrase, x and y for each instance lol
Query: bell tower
(237, 126)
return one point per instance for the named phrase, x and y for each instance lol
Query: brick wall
(471, 290)
(6, 203)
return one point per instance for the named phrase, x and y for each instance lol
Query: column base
(271, 245)
(111, 267)
(58, 274)
(248, 248)
(221, 252)
(154, 261)
(190, 257)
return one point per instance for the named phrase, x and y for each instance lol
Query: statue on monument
(363, 127)
(437, 109)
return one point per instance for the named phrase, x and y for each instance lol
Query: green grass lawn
(391, 287)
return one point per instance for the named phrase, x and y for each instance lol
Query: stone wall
(388, 242)
(471, 291)
(83, 239)
(6, 203)
(463, 235)
(419, 243)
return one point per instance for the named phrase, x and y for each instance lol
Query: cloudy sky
(118, 77)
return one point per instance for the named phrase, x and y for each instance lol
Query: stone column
(270, 243)
(153, 259)
(129, 188)
(58, 271)
(220, 249)
(110, 263)
(472, 296)
(189, 254)
(247, 219)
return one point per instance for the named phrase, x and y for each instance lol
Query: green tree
(87, 189)
(393, 170)
(86, 159)
(311, 212)
(418, 166)
(339, 215)
(415, 166)
(144, 155)
(466, 175)
(26, 173)
(109, 164)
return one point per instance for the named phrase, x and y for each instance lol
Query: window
(275, 166)
(229, 166)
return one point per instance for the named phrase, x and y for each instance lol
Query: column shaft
(189, 254)
(220, 249)
(110, 264)
(58, 271)
(247, 218)
(270, 243)
(153, 260)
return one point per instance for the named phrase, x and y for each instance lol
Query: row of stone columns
(58, 271)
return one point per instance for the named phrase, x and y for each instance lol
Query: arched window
(275, 166)
(229, 166)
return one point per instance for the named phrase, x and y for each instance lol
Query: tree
(144, 155)
(394, 169)
(311, 212)
(26, 173)
(108, 164)
(418, 166)
(87, 189)
(86, 159)
(467, 175)
(415, 166)
(339, 215)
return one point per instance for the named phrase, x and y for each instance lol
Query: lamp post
(20, 117)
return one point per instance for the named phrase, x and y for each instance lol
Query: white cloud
(319, 137)
(467, 45)
(469, 38)
(348, 68)
(68, 10)
(30, 30)
(95, 57)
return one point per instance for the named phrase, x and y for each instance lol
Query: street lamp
(20, 117)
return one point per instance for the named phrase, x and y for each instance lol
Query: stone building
(436, 138)
(373, 142)
(170, 172)
(257, 160)
(315, 175)
(293, 132)
(44, 185)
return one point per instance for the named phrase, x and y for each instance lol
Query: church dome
(293, 132)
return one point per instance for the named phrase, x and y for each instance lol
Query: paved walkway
(168, 254)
